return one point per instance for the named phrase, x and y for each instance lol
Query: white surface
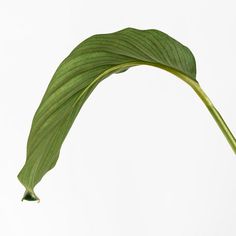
(144, 156)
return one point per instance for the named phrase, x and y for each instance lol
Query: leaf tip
(30, 196)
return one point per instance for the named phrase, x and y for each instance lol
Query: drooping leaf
(88, 64)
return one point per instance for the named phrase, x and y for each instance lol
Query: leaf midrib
(174, 71)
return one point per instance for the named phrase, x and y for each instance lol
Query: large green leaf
(88, 64)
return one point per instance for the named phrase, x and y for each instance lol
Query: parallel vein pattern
(88, 64)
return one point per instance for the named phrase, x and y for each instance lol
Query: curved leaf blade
(88, 64)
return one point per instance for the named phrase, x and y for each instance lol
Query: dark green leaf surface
(88, 64)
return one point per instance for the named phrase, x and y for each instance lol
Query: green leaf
(88, 64)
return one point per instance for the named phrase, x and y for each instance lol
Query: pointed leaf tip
(30, 196)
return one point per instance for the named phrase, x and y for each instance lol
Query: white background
(144, 156)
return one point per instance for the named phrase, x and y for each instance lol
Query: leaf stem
(202, 95)
(214, 112)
